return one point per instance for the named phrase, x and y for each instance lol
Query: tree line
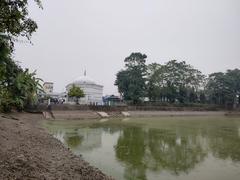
(18, 86)
(175, 82)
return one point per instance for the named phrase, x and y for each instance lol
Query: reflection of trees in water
(173, 152)
(130, 149)
(177, 148)
(73, 141)
(89, 139)
(157, 150)
(225, 142)
(174, 149)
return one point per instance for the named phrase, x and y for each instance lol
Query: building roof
(47, 83)
(84, 79)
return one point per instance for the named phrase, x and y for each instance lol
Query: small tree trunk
(235, 102)
(77, 101)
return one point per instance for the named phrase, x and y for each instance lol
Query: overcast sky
(99, 34)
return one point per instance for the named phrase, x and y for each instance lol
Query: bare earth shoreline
(29, 152)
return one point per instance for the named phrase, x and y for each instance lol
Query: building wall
(48, 87)
(93, 93)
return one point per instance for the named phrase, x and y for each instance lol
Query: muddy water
(182, 148)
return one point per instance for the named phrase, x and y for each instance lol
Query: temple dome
(84, 79)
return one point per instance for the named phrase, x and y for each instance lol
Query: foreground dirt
(27, 151)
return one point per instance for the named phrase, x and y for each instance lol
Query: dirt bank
(29, 152)
(74, 115)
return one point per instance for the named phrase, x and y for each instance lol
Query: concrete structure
(112, 100)
(93, 91)
(48, 87)
(48, 95)
(103, 114)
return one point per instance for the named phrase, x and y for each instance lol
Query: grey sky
(99, 34)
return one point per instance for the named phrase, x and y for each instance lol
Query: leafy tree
(76, 92)
(174, 81)
(202, 97)
(233, 77)
(26, 86)
(123, 81)
(18, 87)
(14, 19)
(223, 88)
(216, 88)
(153, 81)
(131, 82)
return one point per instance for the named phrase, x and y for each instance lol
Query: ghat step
(103, 114)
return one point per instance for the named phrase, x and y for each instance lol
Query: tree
(18, 87)
(76, 92)
(224, 88)
(216, 88)
(153, 81)
(131, 82)
(123, 81)
(174, 81)
(14, 19)
(25, 89)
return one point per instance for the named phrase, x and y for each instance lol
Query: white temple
(93, 92)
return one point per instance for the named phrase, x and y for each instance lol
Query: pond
(182, 148)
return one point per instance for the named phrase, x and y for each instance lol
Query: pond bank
(29, 152)
(75, 115)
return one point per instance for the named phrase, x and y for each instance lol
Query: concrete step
(103, 114)
(125, 114)
(48, 115)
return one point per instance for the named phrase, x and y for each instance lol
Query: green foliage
(223, 88)
(174, 81)
(14, 19)
(18, 87)
(76, 92)
(5, 100)
(131, 81)
(122, 81)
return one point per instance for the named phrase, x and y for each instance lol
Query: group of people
(56, 101)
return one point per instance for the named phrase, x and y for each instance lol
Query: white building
(48, 87)
(93, 92)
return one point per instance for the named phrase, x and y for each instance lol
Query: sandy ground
(27, 151)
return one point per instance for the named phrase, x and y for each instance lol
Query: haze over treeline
(99, 43)
(98, 35)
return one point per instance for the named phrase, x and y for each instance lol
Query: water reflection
(73, 141)
(157, 150)
(225, 143)
(145, 149)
